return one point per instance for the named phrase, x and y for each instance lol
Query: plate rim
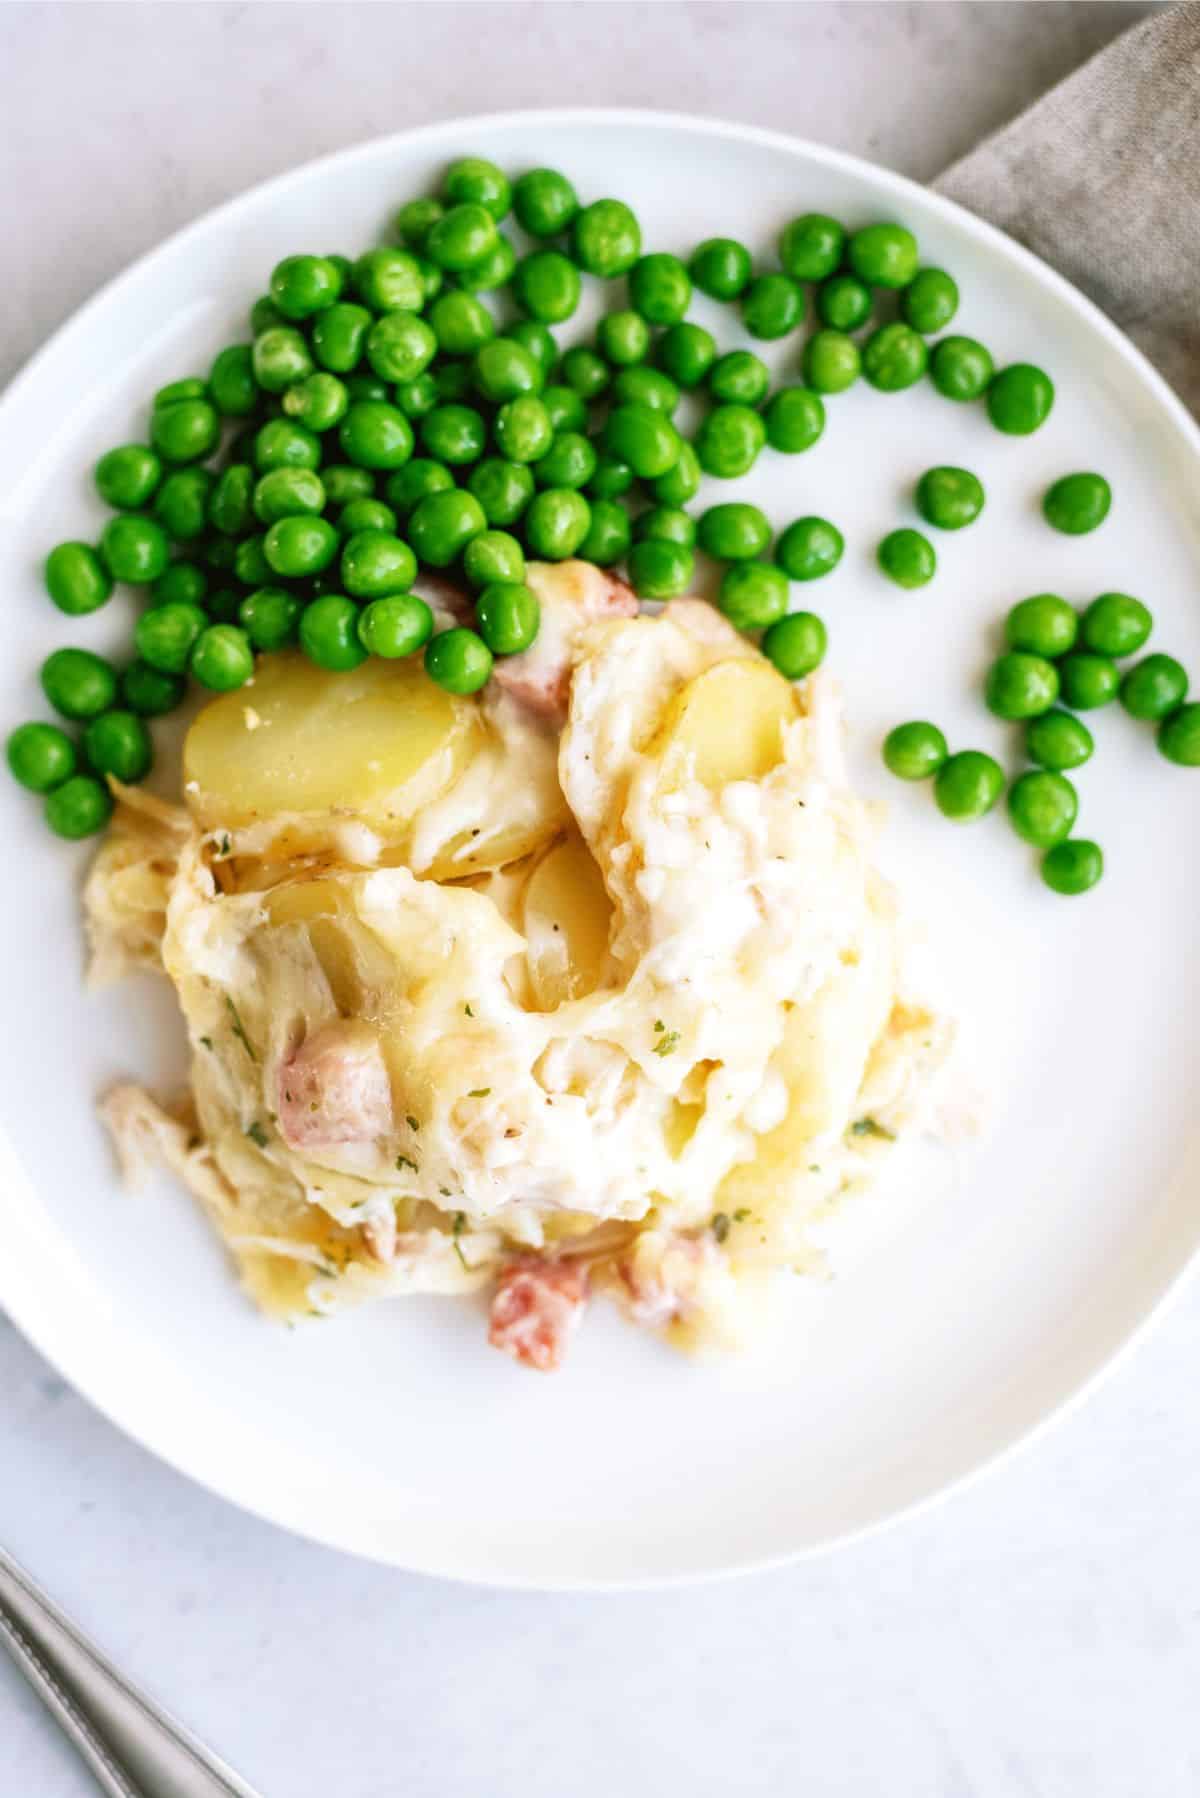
(73, 1366)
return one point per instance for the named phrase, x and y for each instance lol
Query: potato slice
(725, 725)
(318, 751)
(567, 914)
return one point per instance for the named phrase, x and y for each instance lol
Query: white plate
(395, 1433)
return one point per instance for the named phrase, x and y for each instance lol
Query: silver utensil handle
(133, 1748)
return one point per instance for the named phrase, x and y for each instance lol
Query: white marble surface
(1035, 1636)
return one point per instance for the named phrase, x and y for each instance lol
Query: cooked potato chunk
(726, 725)
(567, 913)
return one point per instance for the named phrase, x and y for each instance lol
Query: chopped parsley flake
(445, 1191)
(406, 1161)
(207, 1041)
(412, 1122)
(257, 1134)
(720, 1225)
(741, 1214)
(460, 1224)
(479, 1092)
(868, 1127)
(225, 847)
(239, 1029)
(468, 1011)
(667, 1042)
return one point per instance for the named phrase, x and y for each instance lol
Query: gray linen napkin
(1101, 178)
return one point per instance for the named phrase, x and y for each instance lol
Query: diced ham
(335, 1089)
(571, 595)
(661, 1277)
(538, 1304)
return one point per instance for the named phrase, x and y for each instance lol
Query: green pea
(400, 346)
(118, 743)
(734, 533)
(296, 546)
(949, 498)
(612, 478)
(418, 398)
(831, 361)
(126, 477)
(264, 315)
(1153, 687)
(231, 383)
(565, 409)
(907, 558)
(1116, 624)
(186, 431)
(646, 439)
(686, 352)
(269, 617)
(720, 267)
(285, 492)
(282, 444)
(76, 579)
(465, 234)
(190, 388)
(606, 238)
(461, 323)
(679, 484)
(329, 633)
(545, 202)
(339, 337)
(772, 306)
(508, 616)
(556, 523)
(433, 280)
(458, 660)
(250, 564)
(473, 180)
(1019, 399)
(1087, 680)
(454, 434)
(659, 569)
(304, 285)
(230, 504)
(79, 808)
(390, 280)
(739, 378)
(503, 370)
(412, 483)
(795, 419)
(585, 371)
(1077, 503)
(365, 387)
(414, 221)
(1042, 807)
(522, 429)
(164, 635)
(77, 683)
(1056, 740)
(967, 785)
(609, 535)
(1179, 736)
(796, 644)
(843, 303)
(396, 626)
(547, 286)
(182, 504)
(883, 255)
(367, 515)
(185, 581)
(150, 692)
(642, 386)
(493, 556)
(343, 483)
(493, 270)
(569, 462)
(280, 357)
(443, 524)
(376, 564)
(40, 756)
(1072, 867)
(811, 246)
(503, 489)
(894, 357)
(538, 339)
(660, 288)
(929, 301)
(914, 751)
(623, 338)
(134, 549)
(1044, 625)
(376, 435)
(1019, 685)
(809, 548)
(729, 440)
(960, 368)
(753, 595)
(665, 524)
